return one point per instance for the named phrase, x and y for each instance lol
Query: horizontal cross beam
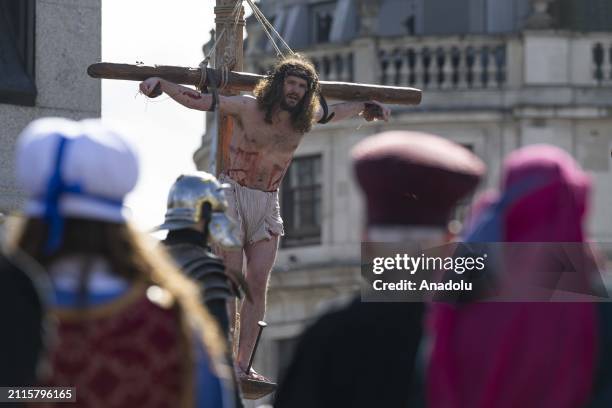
(243, 81)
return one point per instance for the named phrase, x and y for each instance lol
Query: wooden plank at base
(253, 389)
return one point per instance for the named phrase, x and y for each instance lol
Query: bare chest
(268, 139)
(260, 153)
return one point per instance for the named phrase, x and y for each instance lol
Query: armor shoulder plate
(203, 267)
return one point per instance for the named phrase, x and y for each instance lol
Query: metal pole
(261, 325)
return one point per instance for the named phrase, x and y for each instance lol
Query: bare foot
(252, 375)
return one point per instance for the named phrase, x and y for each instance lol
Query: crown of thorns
(293, 70)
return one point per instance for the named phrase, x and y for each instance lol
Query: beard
(284, 105)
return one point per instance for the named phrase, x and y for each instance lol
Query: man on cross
(267, 130)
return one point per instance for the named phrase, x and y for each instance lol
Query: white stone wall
(68, 39)
(585, 133)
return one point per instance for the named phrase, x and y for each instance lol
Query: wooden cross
(229, 53)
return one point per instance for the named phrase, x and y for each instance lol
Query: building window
(301, 202)
(17, 52)
(322, 15)
(409, 24)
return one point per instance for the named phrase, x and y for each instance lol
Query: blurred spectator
(363, 355)
(196, 217)
(24, 293)
(525, 354)
(131, 329)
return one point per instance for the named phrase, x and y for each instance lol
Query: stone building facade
(45, 48)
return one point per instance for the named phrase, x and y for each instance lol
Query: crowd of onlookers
(89, 302)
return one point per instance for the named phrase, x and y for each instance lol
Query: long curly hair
(269, 91)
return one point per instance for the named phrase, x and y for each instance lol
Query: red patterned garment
(126, 353)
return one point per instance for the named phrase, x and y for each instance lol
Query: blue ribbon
(55, 188)
(489, 226)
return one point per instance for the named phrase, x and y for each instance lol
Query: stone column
(365, 48)
(368, 16)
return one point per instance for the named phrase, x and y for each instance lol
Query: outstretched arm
(153, 87)
(370, 111)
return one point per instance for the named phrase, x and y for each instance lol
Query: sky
(164, 133)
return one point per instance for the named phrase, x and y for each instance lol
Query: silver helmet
(187, 195)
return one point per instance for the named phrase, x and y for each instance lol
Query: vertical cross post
(229, 53)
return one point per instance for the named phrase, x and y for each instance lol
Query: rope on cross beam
(268, 28)
(204, 63)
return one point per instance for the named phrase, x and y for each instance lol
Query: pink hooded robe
(539, 355)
